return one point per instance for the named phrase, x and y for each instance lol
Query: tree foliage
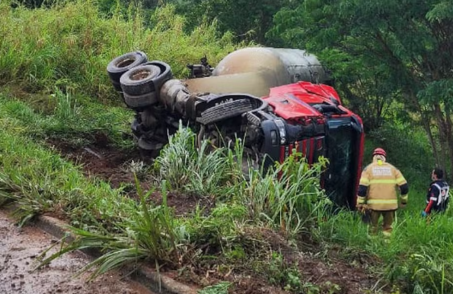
(247, 20)
(383, 52)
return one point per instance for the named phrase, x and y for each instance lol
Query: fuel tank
(255, 70)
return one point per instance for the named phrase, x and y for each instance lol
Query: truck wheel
(224, 111)
(121, 64)
(146, 78)
(117, 86)
(140, 80)
(139, 102)
(165, 73)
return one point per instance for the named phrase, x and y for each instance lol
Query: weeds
(283, 274)
(146, 232)
(195, 170)
(66, 107)
(77, 124)
(70, 44)
(288, 196)
(220, 288)
(40, 181)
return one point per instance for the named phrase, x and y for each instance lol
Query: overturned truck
(278, 100)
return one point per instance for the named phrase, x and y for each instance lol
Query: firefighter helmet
(379, 151)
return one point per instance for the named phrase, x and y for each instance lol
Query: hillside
(66, 151)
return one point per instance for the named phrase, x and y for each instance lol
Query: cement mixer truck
(279, 100)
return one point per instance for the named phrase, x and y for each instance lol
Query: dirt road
(19, 249)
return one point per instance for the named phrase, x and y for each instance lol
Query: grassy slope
(69, 47)
(45, 53)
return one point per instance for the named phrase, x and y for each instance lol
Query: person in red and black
(437, 198)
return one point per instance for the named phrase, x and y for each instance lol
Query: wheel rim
(142, 74)
(125, 62)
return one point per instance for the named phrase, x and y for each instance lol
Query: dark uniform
(437, 198)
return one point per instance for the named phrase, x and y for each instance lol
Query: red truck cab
(315, 123)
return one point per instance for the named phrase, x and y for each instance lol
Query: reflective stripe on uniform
(382, 201)
(404, 197)
(364, 182)
(383, 182)
(360, 200)
(400, 180)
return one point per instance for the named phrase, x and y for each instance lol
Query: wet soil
(116, 166)
(20, 250)
(320, 271)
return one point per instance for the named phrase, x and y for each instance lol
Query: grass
(57, 58)
(417, 257)
(195, 170)
(40, 181)
(69, 46)
(71, 121)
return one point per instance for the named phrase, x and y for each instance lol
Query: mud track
(115, 167)
(19, 253)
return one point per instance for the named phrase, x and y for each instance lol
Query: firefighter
(437, 198)
(377, 191)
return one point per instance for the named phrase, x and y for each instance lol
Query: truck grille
(310, 148)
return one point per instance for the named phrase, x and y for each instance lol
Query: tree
(248, 20)
(395, 50)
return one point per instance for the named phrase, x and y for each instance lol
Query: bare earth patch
(19, 251)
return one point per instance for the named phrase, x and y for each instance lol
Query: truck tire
(146, 78)
(165, 73)
(140, 79)
(117, 86)
(121, 64)
(224, 111)
(139, 102)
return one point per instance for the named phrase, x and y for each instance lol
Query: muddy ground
(19, 253)
(332, 273)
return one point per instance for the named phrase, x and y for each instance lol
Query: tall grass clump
(40, 181)
(288, 196)
(70, 45)
(418, 256)
(73, 122)
(146, 233)
(203, 170)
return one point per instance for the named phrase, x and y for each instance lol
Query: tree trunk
(445, 137)
(450, 141)
(426, 126)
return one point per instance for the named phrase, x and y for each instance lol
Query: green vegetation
(54, 87)
(391, 59)
(41, 49)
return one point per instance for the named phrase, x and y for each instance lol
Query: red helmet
(379, 151)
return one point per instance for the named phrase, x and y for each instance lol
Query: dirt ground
(114, 166)
(331, 273)
(19, 251)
